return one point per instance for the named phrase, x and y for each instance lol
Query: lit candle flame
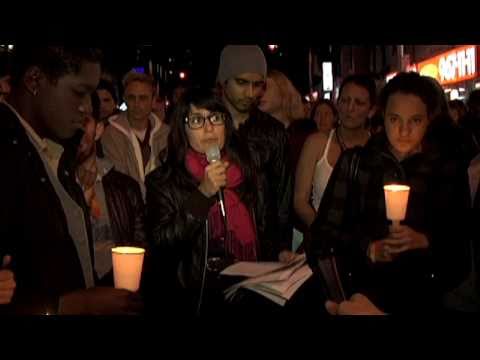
(396, 201)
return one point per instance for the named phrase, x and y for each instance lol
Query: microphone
(213, 155)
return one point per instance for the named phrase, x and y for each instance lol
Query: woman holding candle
(408, 266)
(191, 241)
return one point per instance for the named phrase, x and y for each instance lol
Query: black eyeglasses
(196, 121)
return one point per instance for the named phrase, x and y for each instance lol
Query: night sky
(201, 61)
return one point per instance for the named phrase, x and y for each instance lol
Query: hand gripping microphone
(213, 155)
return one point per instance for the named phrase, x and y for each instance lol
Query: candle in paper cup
(127, 267)
(396, 201)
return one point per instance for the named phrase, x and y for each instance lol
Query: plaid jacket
(352, 215)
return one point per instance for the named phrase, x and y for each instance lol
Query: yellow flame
(128, 250)
(395, 187)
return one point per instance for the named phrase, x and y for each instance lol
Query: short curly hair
(55, 61)
(362, 80)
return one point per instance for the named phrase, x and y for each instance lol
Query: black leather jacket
(127, 214)
(33, 225)
(177, 212)
(125, 207)
(268, 142)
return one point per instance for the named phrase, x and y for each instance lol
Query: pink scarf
(242, 242)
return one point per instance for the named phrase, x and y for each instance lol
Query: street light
(273, 47)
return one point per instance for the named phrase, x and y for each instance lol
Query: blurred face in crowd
(324, 118)
(178, 93)
(354, 107)
(4, 87)
(212, 132)
(244, 91)
(307, 108)
(406, 122)
(87, 144)
(107, 103)
(61, 104)
(271, 101)
(454, 113)
(139, 98)
(158, 106)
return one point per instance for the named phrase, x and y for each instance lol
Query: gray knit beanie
(240, 59)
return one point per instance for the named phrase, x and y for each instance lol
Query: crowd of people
(81, 176)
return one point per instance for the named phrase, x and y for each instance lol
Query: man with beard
(241, 83)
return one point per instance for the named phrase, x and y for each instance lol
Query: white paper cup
(396, 201)
(127, 267)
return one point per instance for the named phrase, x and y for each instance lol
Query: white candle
(127, 267)
(396, 201)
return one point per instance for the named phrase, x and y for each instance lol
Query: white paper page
(283, 286)
(284, 297)
(278, 291)
(253, 269)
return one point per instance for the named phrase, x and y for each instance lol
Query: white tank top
(322, 173)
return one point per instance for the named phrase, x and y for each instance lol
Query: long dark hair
(441, 129)
(178, 144)
(414, 84)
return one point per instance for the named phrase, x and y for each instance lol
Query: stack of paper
(274, 280)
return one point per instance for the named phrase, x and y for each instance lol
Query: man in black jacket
(241, 80)
(44, 223)
(114, 199)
